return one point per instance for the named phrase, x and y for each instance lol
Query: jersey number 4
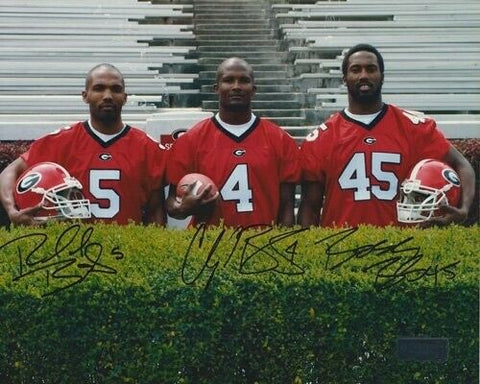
(237, 188)
(354, 176)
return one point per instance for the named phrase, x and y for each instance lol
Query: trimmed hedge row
(106, 304)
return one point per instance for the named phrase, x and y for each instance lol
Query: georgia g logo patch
(28, 182)
(105, 156)
(239, 152)
(451, 177)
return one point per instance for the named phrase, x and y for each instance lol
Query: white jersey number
(237, 188)
(96, 177)
(354, 176)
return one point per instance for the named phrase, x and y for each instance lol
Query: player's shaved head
(102, 67)
(233, 63)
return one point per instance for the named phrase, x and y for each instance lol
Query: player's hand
(25, 216)
(448, 214)
(193, 204)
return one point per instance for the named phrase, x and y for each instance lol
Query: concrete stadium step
(260, 83)
(270, 88)
(260, 76)
(292, 97)
(282, 120)
(222, 26)
(258, 17)
(228, 2)
(248, 13)
(252, 33)
(231, 24)
(259, 104)
(235, 38)
(239, 41)
(246, 29)
(276, 113)
(226, 5)
(245, 51)
(253, 60)
(233, 50)
(256, 67)
(228, 8)
(274, 59)
(286, 122)
(239, 7)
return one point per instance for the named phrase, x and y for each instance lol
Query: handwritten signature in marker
(258, 253)
(263, 252)
(74, 257)
(399, 263)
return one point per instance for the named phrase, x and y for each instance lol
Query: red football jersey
(118, 176)
(362, 166)
(247, 170)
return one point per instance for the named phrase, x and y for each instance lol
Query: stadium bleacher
(431, 50)
(46, 48)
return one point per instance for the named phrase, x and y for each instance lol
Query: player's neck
(364, 108)
(107, 128)
(235, 118)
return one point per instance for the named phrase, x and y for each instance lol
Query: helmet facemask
(419, 203)
(67, 200)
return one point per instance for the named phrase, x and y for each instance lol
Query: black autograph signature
(72, 260)
(392, 263)
(399, 262)
(258, 254)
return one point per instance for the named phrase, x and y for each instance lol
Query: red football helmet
(51, 185)
(430, 184)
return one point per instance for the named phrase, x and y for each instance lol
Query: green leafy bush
(107, 304)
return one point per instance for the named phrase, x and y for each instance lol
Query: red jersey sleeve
(290, 170)
(313, 155)
(156, 160)
(48, 148)
(430, 141)
(181, 157)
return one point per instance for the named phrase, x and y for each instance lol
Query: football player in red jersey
(355, 162)
(120, 168)
(253, 162)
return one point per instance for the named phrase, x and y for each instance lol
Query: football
(201, 182)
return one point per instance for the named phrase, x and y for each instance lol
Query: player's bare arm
(466, 173)
(310, 204)
(156, 209)
(286, 214)
(8, 179)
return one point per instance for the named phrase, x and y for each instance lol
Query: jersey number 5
(354, 176)
(237, 188)
(96, 177)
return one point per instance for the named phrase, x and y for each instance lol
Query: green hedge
(134, 304)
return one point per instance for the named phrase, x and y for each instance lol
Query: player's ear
(84, 96)
(215, 87)
(125, 98)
